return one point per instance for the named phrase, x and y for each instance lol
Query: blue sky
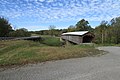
(39, 14)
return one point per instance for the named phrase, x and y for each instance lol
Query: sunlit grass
(22, 52)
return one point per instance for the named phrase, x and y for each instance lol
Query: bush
(20, 33)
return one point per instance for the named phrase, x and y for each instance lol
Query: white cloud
(60, 10)
(50, 1)
(34, 28)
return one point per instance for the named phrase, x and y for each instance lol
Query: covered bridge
(78, 37)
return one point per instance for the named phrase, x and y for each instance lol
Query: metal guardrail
(20, 38)
(6, 38)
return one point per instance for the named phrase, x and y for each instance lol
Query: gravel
(105, 67)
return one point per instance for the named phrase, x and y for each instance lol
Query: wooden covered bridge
(78, 37)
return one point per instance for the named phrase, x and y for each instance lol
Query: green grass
(35, 35)
(45, 35)
(51, 41)
(23, 52)
(106, 44)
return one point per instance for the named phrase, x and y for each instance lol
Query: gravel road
(105, 67)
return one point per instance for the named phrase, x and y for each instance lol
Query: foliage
(5, 27)
(82, 25)
(71, 28)
(108, 33)
(20, 33)
(57, 32)
(101, 32)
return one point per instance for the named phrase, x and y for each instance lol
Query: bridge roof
(79, 33)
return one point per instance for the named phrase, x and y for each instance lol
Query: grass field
(51, 41)
(23, 52)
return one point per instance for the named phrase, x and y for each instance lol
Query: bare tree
(52, 29)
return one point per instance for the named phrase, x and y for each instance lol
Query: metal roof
(80, 33)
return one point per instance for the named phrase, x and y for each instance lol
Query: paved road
(106, 67)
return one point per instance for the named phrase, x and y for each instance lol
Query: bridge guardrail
(19, 38)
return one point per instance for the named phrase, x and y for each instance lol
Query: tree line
(7, 31)
(106, 32)
(81, 25)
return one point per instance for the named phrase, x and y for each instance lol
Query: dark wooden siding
(74, 39)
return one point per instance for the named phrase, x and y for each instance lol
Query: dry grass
(23, 52)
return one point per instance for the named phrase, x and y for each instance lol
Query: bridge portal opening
(87, 39)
